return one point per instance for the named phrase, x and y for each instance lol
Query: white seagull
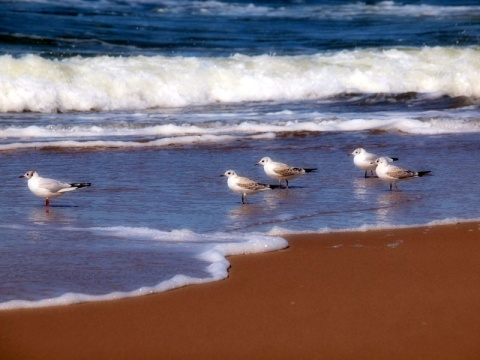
(366, 161)
(280, 171)
(393, 174)
(49, 188)
(243, 186)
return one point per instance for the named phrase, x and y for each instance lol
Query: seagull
(244, 186)
(393, 174)
(280, 171)
(366, 161)
(49, 188)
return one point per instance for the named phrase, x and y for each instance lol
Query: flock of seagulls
(280, 171)
(275, 170)
(381, 164)
(366, 161)
(50, 188)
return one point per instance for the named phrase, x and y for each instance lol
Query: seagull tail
(276, 186)
(80, 185)
(310, 170)
(423, 173)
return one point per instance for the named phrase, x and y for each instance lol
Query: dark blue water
(207, 28)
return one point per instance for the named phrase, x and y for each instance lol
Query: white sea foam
(103, 83)
(210, 248)
(279, 231)
(118, 135)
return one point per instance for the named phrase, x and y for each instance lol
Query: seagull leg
(371, 174)
(396, 187)
(244, 199)
(47, 202)
(366, 174)
(287, 184)
(390, 186)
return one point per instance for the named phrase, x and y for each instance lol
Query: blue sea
(151, 101)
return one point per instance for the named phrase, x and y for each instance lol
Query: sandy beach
(385, 294)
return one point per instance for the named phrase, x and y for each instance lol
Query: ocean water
(151, 101)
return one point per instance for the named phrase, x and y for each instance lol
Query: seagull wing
(288, 171)
(370, 157)
(52, 185)
(248, 184)
(399, 173)
(285, 170)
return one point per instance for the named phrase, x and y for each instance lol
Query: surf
(104, 83)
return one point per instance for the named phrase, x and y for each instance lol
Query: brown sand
(394, 294)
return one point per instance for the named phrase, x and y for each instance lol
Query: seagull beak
(21, 176)
(350, 154)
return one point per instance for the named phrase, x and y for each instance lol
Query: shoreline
(406, 293)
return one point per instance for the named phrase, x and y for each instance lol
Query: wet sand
(387, 294)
